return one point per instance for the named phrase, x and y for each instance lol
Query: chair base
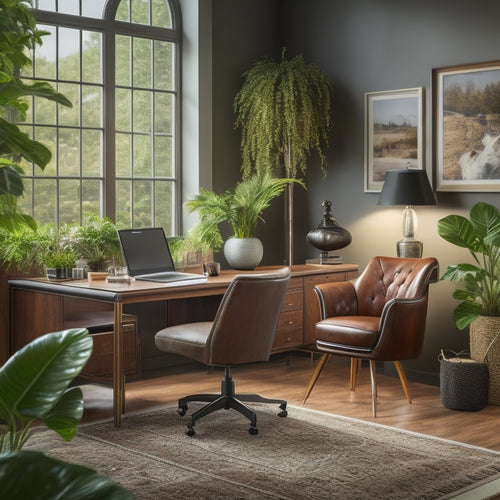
(225, 400)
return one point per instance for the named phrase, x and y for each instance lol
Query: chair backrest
(387, 278)
(245, 323)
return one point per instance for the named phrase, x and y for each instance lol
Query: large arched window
(116, 152)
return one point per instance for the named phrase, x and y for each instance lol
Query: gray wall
(363, 46)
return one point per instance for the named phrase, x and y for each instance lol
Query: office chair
(242, 332)
(380, 316)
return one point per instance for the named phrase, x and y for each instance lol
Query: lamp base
(410, 249)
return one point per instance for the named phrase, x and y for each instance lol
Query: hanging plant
(283, 111)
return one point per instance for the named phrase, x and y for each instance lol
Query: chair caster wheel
(253, 431)
(182, 410)
(190, 431)
(282, 414)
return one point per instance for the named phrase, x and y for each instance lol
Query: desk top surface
(141, 290)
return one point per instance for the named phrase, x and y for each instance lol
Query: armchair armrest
(337, 299)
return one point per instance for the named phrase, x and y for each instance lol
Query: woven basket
(463, 382)
(485, 347)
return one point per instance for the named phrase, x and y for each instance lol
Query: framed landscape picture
(466, 108)
(393, 134)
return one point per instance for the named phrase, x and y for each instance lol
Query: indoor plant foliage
(34, 387)
(241, 208)
(18, 35)
(283, 111)
(480, 234)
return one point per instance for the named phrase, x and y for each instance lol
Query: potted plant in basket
(241, 208)
(480, 285)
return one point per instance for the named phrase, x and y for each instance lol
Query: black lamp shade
(406, 187)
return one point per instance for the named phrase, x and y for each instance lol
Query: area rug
(307, 455)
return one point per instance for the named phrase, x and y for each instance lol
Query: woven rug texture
(306, 455)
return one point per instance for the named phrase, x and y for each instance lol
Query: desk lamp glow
(407, 187)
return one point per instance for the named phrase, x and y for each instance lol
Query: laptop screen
(145, 251)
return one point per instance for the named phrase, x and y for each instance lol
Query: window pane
(48, 137)
(69, 152)
(123, 106)
(163, 156)
(142, 111)
(69, 54)
(163, 112)
(161, 14)
(94, 8)
(142, 62)
(91, 57)
(69, 200)
(123, 205)
(44, 62)
(123, 164)
(49, 5)
(44, 201)
(92, 106)
(70, 116)
(91, 197)
(70, 7)
(140, 11)
(164, 206)
(122, 13)
(142, 156)
(91, 153)
(122, 58)
(163, 63)
(142, 211)
(44, 111)
(24, 201)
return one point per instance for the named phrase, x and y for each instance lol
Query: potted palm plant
(241, 208)
(479, 292)
(283, 111)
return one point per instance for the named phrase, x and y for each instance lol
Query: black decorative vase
(328, 235)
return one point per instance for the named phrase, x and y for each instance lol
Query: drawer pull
(290, 322)
(289, 339)
(290, 304)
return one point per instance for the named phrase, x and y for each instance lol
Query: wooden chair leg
(402, 377)
(319, 368)
(354, 373)
(373, 377)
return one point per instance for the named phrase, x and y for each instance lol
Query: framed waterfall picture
(466, 109)
(394, 137)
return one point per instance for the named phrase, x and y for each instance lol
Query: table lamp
(407, 187)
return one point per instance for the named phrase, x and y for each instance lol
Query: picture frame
(466, 139)
(394, 136)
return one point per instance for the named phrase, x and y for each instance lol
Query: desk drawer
(294, 301)
(287, 338)
(290, 320)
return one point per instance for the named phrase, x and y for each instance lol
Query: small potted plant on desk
(480, 285)
(241, 208)
(59, 263)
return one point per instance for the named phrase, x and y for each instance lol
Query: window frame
(110, 28)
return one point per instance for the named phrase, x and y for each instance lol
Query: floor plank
(286, 376)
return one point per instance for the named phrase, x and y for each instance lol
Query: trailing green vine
(283, 109)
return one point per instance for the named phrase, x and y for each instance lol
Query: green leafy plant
(96, 240)
(64, 258)
(34, 387)
(480, 234)
(283, 111)
(28, 473)
(241, 208)
(18, 35)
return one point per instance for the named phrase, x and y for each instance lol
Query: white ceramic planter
(243, 253)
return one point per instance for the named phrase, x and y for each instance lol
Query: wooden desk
(36, 308)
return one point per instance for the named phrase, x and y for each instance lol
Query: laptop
(148, 258)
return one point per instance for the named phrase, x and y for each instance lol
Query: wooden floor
(286, 376)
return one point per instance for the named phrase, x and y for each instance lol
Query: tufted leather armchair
(242, 332)
(381, 316)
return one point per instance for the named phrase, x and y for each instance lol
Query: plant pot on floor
(463, 382)
(485, 347)
(243, 253)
